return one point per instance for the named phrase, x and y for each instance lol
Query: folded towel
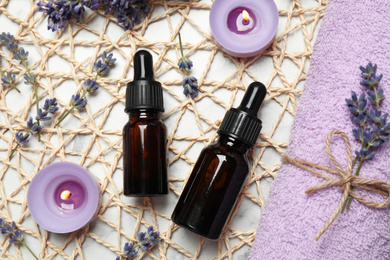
(353, 33)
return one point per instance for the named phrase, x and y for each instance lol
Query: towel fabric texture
(353, 33)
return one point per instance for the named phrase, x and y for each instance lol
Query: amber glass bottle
(219, 174)
(144, 136)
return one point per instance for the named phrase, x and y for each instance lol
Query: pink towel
(353, 33)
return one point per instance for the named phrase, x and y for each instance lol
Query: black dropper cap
(144, 92)
(242, 123)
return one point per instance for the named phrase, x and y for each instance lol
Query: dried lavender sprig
(373, 129)
(102, 67)
(145, 241)
(15, 235)
(50, 107)
(189, 83)
(21, 55)
(8, 80)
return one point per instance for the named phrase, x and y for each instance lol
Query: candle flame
(65, 195)
(245, 15)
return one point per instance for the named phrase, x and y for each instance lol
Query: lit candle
(64, 197)
(244, 28)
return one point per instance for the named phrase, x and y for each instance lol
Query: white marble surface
(248, 213)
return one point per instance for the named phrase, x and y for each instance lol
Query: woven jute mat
(92, 137)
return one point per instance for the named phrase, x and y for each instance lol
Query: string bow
(346, 182)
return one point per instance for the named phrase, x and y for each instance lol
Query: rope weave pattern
(103, 147)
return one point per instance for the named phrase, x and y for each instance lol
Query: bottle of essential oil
(219, 174)
(144, 136)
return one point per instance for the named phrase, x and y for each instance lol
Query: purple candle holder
(64, 197)
(244, 28)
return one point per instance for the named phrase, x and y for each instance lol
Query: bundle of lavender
(60, 12)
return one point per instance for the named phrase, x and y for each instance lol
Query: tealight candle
(64, 197)
(244, 28)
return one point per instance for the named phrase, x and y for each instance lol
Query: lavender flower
(6, 38)
(61, 11)
(101, 68)
(8, 80)
(108, 59)
(90, 85)
(128, 12)
(185, 64)
(373, 129)
(7, 229)
(190, 84)
(51, 105)
(17, 238)
(152, 236)
(33, 126)
(145, 240)
(42, 115)
(22, 138)
(125, 20)
(15, 235)
(364, 154)
(368, 70)
(30, 79)
(78, 101)
(21, 55)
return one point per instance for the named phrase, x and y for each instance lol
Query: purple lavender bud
(30, 80)
(108, 59)
(33, 126)
(8, 80)
(42, 115)
(365, 154)
(17, 237)
(6, 38)
(90, 85)
(22, 55)
(78, 102)
(101, 68)
(190, 86)
(94, 4)
(129, 250)
(354, 96)
(127, 22)
(21, 138)
(185, 63)
(51, 105)
(368, 70)
(14, 47)
(140, 236)
(375, 116)
(360, 119)
(3, 223)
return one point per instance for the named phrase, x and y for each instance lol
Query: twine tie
(346, 182)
